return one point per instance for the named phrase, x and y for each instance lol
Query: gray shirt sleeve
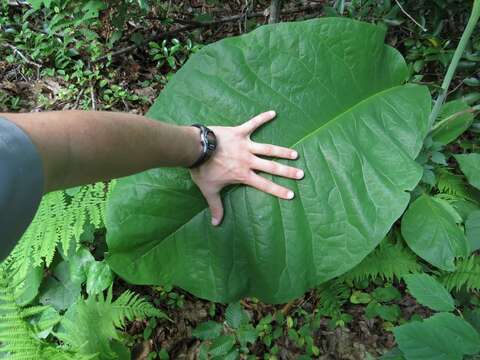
(21, 184)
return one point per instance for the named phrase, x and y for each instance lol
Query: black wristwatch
(209, 144)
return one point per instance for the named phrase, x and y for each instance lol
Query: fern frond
(333, 295)
(130, 306)
(15, 335)
(388, 261)
(95, 321)
(18, 339)
(466, 275)
(451, 184)
(51, 353)
(59, 219)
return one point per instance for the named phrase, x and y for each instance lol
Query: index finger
(254, 123)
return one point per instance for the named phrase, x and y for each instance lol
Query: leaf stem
(341, 7)
(472, 22)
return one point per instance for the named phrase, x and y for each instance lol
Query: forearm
(84, 147)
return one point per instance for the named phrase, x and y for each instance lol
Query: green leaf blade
(443, 336)
(429, 292)
(208, 330)
(99, 277)
(472, 230)
(470, 166)
(222, 345)
(430, 229)
(357, 130)
(235, 316)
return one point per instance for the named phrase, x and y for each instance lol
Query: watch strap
(208, 144)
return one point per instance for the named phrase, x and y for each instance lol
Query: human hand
(236, 161)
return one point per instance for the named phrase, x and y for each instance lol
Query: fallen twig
(195, 24)
(92, 95)
(77, 101)
(298, 303)
(19, 53)
(287, 307)
(16, 3)
(409, 16)
(156, 38)
(274, 11)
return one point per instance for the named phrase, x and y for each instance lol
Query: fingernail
(294, 155)
(272, 113)
(215, 222)
(299, 174)
(290, 195)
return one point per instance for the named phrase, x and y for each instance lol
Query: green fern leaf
(18, 338)
(333, 295)
(130, 306)
(451, 184)
(388, 261)
(466, 275)
(59, 220)
(94, 322)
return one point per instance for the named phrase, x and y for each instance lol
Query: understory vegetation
(71, 289)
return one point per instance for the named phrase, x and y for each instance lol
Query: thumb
(216, 208)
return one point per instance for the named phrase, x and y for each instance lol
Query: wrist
(194, 146)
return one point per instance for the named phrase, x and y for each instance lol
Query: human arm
(79, 147)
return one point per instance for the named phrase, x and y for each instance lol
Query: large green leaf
(342, 104)
(443, 336)
(430, 229)
(470, 166)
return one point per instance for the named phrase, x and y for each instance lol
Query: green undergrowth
(59, 299)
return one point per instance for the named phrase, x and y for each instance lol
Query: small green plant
(381, 304)
(18, 338)
(60, 219)
(170, 297)
(270, 328)
(302, 334)
(173, 54)
(443, 335)
(90, 326)
(227, 340)
(466, 275)
(333, 295)
(391, 260)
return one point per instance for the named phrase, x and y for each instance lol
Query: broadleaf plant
(442, 336)
(429, 292)
(470, 166)
(342, 104)
(430, 228)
